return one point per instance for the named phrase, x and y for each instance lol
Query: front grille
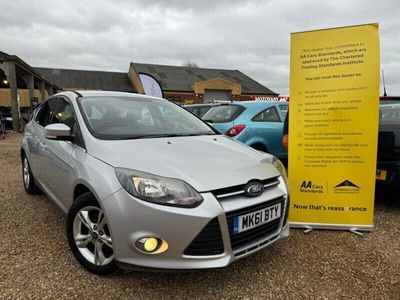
(208, 241)
(239, 189)
(258, 233)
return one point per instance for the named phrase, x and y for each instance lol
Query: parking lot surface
(36, 261)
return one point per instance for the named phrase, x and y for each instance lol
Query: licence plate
(256, 218)
(381, 174)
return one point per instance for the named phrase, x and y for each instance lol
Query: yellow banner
(333, 126)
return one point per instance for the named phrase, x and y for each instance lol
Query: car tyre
(89, 236)
(28, 178)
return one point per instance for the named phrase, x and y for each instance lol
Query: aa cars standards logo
(346, 187)
(307, 186)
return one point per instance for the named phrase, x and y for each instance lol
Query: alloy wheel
(92, 236)
(26, 172)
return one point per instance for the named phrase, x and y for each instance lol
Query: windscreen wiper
(151, 136)
(147, 136)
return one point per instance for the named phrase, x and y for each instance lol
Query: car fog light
(151, 245)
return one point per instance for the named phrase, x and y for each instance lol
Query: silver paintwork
(206, 163)
(54, 130)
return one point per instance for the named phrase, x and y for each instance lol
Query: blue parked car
(258, 124)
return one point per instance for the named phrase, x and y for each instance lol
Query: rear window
(284, 110)
(267, 115)
(389, 112)
(223, 113)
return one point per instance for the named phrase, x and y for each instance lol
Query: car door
(59, 158)
(36, 141)
(267, 127)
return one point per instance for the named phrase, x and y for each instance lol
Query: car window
(268, 115)
(389, 113)
(189, 108)
(135, 117)
(95, 113)
(283, 109)
(45, 112)
(195, 111)
(223, 113)
(203, 110)
(64, 113)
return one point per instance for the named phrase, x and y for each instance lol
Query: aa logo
(307, 186)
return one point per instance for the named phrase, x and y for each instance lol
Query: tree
(190, 64)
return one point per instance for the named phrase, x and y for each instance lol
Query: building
(21, 86)
(182, 85)
(187, 85)
(88, 80)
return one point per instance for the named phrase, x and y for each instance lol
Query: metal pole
(384, 85)
(12, 79)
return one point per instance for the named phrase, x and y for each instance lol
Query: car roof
(107, 93)
(199, 105)
(256, 104)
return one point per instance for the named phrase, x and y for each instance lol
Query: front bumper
(131, 219)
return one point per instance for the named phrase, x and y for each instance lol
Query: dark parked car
(7, 118)
(388, 167)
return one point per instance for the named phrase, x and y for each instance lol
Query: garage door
(210, 95)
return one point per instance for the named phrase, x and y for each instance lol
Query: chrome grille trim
(238, 190)
(229, 194)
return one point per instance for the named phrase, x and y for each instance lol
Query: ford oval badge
(253, 189)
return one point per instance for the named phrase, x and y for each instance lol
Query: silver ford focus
(147, 185)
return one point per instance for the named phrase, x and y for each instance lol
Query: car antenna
(384, 86)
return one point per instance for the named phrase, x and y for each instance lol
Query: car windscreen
(125, 117)
(389, 112)
(223, 113)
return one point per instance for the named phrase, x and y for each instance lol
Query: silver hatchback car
(147, 185)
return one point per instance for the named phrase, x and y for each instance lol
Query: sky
(252, 36)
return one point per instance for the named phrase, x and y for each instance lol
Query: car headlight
(281, 168)
(157, 189)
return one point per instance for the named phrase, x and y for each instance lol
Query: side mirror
(60, 132)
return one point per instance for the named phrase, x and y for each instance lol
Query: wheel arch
(22, 153)
(83, 187)
(80, 189)
(259, 146)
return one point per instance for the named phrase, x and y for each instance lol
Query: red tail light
(235, 130)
